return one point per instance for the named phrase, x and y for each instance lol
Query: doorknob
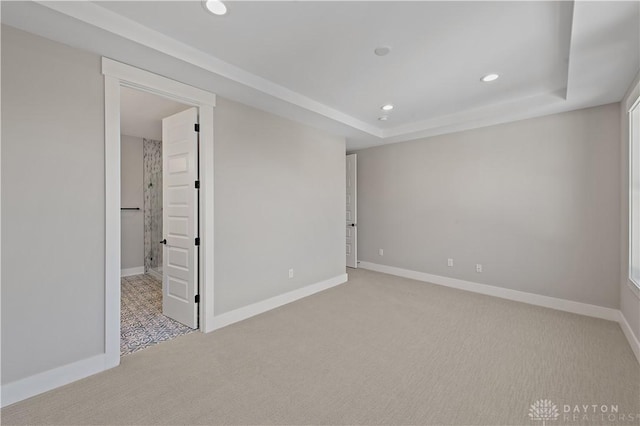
(163, 241)
(353, 224)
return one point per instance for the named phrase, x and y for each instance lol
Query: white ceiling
(325, 50)
(314, 61)
(141, 113)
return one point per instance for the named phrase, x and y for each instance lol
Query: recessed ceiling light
(383, 118)
(215, 6)
(382, 50)
(387, 107)
(489, 77)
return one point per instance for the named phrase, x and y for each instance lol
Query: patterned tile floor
(141, 321)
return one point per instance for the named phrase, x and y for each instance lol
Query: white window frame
(634, 193)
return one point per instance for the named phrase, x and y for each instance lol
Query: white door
(180, 217)
(352, 228)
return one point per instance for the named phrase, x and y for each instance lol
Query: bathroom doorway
(147, 317)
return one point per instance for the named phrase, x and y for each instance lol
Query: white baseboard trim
(19, 390)
(132, 271)
(51, 379)
(631, 337)
(254, 309)
(518, 296)
(501, 292)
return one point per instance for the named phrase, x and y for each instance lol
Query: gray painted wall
(279, 204)
(536, 202)
(52, 205)
(131, 195)
(629, 294)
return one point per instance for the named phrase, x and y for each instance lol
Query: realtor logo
(543, 410)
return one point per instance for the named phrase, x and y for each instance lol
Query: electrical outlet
(478, 267)
(380, 252)
(449, 262)
(291, 273)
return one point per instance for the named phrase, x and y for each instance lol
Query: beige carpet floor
(377, 350)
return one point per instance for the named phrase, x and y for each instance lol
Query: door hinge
(197, 241)
(196, 127)
(197, 184)
(197, 298)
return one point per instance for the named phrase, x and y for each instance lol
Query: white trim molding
(501, 292)
(144, 80)
(107, 20)
(127, 272)
(371, 134)
(25, 388)
(628, 333)
(112, 220)
(257, 308)
(51, 379)
(117, 75)
(565, 305)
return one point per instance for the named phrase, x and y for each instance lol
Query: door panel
(180, 217)
(351, 215)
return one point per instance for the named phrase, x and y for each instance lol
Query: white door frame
(118, 75)
(353, 225)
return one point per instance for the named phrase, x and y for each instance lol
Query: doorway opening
(150, 199)
(118, 76)
(352, 211)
